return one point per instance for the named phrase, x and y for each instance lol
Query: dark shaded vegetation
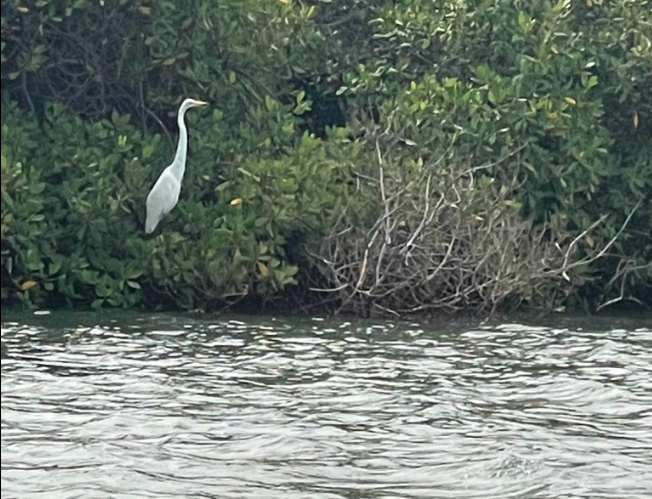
(368, 157)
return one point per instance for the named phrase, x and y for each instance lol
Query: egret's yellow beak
(199, 103)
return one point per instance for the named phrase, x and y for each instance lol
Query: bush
(73, 208)
(426, 229)
(568, 81)
(455, 87)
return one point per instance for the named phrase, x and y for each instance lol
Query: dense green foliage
(544, 109)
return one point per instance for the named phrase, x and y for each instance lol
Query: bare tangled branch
(436, 240)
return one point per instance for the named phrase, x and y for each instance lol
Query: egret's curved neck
(179, 164)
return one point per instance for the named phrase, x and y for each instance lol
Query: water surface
(97, 406)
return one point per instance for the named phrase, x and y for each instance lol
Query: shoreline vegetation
(364, 158)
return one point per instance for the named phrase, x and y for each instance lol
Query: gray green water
(129, 406)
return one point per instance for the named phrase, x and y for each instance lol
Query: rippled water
(164, 407)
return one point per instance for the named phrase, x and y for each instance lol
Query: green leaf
(54, 268)
(290, 270)
(270, 103)
(559, 6)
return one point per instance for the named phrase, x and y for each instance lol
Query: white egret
(165, 193)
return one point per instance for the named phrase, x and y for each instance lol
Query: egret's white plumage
(165, 193)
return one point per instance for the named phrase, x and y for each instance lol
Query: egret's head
(197, 103)
(188, 103)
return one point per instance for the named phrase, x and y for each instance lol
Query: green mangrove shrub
(568, 81)
(553, 95)
(73, 196)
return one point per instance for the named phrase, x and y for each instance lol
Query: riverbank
(416, 159)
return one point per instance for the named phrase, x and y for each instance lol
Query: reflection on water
(158, 407)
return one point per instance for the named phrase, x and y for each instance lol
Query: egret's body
(165, 193)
